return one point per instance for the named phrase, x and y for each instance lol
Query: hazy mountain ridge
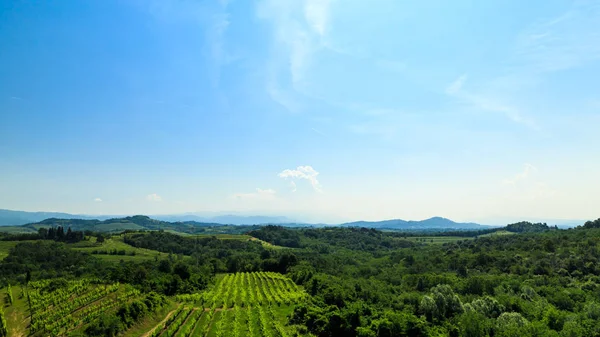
(186, 222)
(229, 219)
(18, 218)
(431, 223)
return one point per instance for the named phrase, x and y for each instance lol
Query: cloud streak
(484, 102)
(259, 194)
(527, 170)
(567, 41)
(153, 197)
(296, 38)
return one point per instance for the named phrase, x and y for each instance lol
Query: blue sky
(324, 110)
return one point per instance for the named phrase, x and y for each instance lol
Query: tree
(487, 306)
(441, 303)
(473, 324)
(3, 327)
(592, 224)
(510, 324)
(165, 266)
(9, 294)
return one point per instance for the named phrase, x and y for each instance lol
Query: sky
(327, 110)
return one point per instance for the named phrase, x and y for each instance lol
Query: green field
(436, 239)
(16, 314)
(503, 232)
(447, 239)
(115, 243)
(16, 229)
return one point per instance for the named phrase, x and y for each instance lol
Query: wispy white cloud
(283, 98)
(527, 170)
(456, 86)
(16, 98)
(319, 132)
(384, 128)
(153, 197)
(487, 103)
(316, 13)
(259, 194)
(211, 17)
(305, 173)
(98, 200)
(566, 41)
(394, 66)
(299, 31)
(215, 36)
(526, 186)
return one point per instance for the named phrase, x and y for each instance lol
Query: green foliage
(9, 295)
(3, 326)
(592, 224)
(107, 325)
(487, 306)
(511, 324)
(441, 303)
(525, 226)
(474, 324)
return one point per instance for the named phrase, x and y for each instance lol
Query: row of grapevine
(221, 322)
(188, 327)
(177, 323)
(90, 312)
(53, 315)
(238, 321)
(39, 300)
(243, 289)
(157, 330)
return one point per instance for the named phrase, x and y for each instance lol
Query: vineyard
(57, 311)
(241, 304)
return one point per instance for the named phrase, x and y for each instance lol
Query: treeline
(56, 233)
(325, 239)
(592, 224)
(221, 255)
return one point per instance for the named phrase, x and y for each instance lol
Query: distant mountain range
(136, 222)
(432, 223)
(17, 218)
(227, 219)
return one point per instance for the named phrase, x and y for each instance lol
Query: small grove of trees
(527, 227)
(59, 234)
(592, 224)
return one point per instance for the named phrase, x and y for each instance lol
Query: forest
(521, 280)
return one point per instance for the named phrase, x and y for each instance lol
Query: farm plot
(241, 304)
(58, 311)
